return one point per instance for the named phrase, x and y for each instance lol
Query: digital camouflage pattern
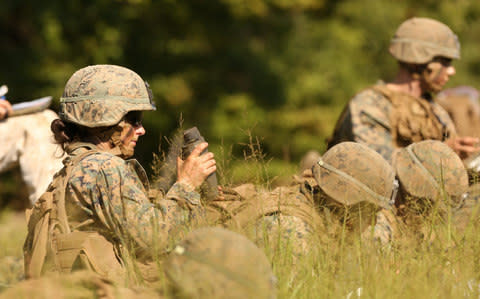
(284, 231)
(293, 217)
(326, 222)
(351, 173)
(385, 229)
(273, 218)
(27, 143)
(415, 119)
(419, 40)
(385, 120)
(433, 182)
(428, 167)
(357, 188)
(110, 195)
(217, 263)
(292, 226)
(101, 95)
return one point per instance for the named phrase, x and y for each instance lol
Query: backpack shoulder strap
(59, 212)
(47, 215)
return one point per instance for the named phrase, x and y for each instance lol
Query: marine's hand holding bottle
(196, 167)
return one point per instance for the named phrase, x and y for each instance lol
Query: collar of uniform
(77, 148)
(140, 171)
(73, 147)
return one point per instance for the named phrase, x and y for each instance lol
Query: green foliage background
(278, 69)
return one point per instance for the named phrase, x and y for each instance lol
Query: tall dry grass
(13, 229)
(444, 266)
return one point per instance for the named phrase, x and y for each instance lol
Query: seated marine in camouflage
(97, 212)
(395, 114)
(347, 187)
(433, 183)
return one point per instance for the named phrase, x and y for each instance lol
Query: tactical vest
(53, 245)
(413, 119)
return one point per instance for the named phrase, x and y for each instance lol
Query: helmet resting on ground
(351, 173)
(426, 168)
(218, 263)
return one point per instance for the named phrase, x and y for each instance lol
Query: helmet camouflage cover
(101, 95)
(218, 263)
(419, 40)
(351, 173)
(427, 167)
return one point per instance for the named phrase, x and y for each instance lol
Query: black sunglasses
(134, 118)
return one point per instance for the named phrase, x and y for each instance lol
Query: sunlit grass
(409, 268)
(13, 229)
(444, 266)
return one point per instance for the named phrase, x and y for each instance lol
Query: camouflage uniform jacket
(327, 224)
(371, 118)
(109, 195)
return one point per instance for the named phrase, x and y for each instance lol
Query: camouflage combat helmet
(352, 173)
(218, 263)
(101, 95)
(426, 168)
(419, 40)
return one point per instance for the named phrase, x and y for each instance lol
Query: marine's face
(437, 73)
(132, 131)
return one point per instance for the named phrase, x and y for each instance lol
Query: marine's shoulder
(98, 165)
(103, 158)
(369, 96)
(371, 101)
(100, 162)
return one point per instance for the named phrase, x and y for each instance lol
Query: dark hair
(413, 68)
(66, 132)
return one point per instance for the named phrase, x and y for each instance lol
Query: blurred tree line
(278, 69)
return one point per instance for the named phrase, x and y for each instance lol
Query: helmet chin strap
(118, 147)
(113, 135)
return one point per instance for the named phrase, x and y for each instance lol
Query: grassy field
(13, 229)
(445, 267)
